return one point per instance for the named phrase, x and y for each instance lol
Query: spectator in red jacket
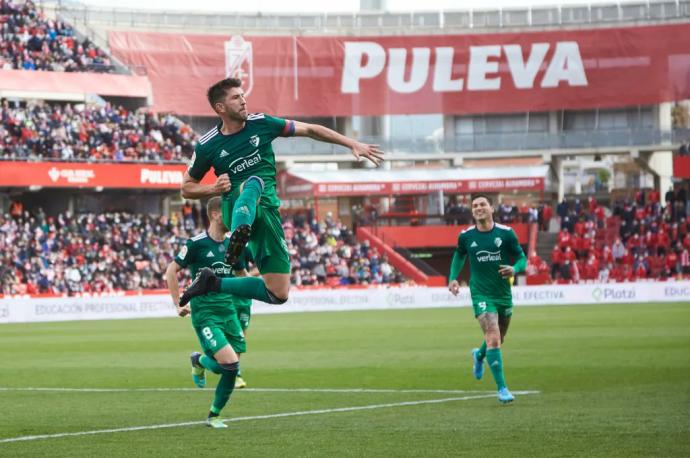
(685, 261)
(547, 214)
(564, 239)
(640, 272)
(672, 262)
(591, 270)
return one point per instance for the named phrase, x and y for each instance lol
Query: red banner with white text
(84, 175)
(451, 74)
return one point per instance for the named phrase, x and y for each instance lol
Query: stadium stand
(30, 41)
(41, 131)
(109, 252)
(640, 240)
(329, 254)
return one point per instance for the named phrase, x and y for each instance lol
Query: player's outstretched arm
(456, 266)
(174, 287)
(193, 189)
(323, 134)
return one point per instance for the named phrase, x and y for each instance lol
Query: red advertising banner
(290, 186)
(451, 74)
(84, 175)
(681, 167)
(82, 83)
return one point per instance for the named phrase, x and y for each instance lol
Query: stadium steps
(545, 243)
(418, 263)
(398, 261)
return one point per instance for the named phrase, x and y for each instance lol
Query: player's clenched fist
(454, 287)
(222, 184)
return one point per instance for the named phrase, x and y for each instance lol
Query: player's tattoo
(488, 322)
(503, 323)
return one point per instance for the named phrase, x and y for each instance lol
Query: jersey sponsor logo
(498, 241)
(243, 163)
(221, 269)
(474, 244)
(210, 254)
(183, 252)
(254, 140)
(224, 153)
(239, 62)
(488, 256)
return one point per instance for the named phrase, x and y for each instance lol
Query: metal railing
(519, 143)
(381, 22)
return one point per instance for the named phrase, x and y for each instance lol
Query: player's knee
(493, 340)
(276, 298)
(258, 181)
(229, 368)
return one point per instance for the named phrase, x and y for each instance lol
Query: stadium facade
(577, 89)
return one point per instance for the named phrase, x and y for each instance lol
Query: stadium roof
(358, 182)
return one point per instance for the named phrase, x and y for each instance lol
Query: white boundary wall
(24, 310)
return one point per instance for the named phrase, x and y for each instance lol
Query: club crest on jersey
(239, 62)
(254, 140)
(498, 241)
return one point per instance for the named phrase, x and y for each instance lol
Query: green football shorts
(216, 336)
(267, 243)
(483, 304)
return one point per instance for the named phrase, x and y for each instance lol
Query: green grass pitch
(613, 380)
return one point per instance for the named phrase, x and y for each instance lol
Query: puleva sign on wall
(452, 74)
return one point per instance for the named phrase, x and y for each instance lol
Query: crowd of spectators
(40, 131)
(640, 239)
(328, 253)
(30, 41)
(87, 253)
(107, 252)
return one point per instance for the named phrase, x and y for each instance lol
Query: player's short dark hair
(213, 205)
(486, 196)
(218, 91)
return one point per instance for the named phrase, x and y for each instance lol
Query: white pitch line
(257, 417)
(256, 390)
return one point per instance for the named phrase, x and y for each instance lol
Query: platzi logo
(612, 294)
(596, 294)
(239, 62)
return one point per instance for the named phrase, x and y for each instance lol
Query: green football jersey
(487, 251)
(243, 154)
(202, 251)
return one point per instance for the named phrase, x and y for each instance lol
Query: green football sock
(249, 287)
(223, 391)
(482, 351)
(210, 364)
(244, 210)
(493, 357)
